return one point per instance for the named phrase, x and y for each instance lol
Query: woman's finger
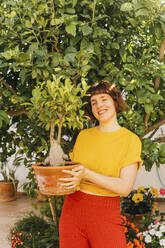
(65, 179)
(69, 172)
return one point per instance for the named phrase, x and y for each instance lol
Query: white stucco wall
(151, 178)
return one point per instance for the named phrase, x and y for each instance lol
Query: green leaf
(115, 45)
(142, 12)
(74, 2)
(158, 30)
(4, 116)
(71, 29)
(70, 57)
(148, 107)
(6, 93)
(70, 10)
(126, 7)
(28, 24)
(86, 30)
(163, 26)
(111, 2)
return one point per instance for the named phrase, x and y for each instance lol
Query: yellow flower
(141, 189)
(155, 206)
(137, 197)
(154, 191)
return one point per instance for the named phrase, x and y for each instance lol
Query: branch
(60, 129)
(157, 125)
(53, 10)
(17, 113)
(8, 86)
(157, 80)
(160, 140)
(161, 57)
(152, 134)
(74, 79)
(51, 131)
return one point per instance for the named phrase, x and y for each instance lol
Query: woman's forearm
(121, 185)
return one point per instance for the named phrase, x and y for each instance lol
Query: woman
(110, 157)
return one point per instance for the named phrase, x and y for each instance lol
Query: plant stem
(60, 129)
(51, 131)
(52, 211)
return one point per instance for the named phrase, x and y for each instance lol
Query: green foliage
(8, 171)
(114, 40)
(33, 231)
(52, 100)
(139, 201)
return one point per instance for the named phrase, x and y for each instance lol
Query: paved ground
(11, 211)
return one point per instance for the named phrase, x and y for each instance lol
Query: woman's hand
(76, 175)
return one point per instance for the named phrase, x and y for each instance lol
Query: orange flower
(141, 237)
(136, 242)
(136, 230)
(130, 244)
(125, 229)
(155, 205)
(123, 218)
(132, 225)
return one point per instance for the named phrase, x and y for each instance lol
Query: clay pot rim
(63, 167)
(8, 182)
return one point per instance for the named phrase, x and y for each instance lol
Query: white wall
(151, 178)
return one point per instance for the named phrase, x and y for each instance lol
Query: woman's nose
(99, 104)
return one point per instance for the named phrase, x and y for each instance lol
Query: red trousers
(90, 221)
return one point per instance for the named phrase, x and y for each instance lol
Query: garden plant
(119, 41)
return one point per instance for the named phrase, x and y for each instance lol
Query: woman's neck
(109, 127)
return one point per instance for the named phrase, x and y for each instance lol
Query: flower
(162, 191)
(131, 234)
(16, 241)
(155, 235)
(154, 191)
(140, 201)
(137, 197)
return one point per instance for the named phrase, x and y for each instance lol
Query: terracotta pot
(48, 178)
(136, 219)
(8, 191)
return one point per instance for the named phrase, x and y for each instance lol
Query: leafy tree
(121, 41)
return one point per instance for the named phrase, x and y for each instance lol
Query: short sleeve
(133, 153)
(72, 154)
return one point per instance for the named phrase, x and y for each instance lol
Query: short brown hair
(106, 88)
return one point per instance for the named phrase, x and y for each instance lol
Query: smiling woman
(109, 156)
(103, 108)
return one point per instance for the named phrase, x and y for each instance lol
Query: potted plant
(139, 203)
(9, 182)
(56, 104)
(155, 235)
(132, 234)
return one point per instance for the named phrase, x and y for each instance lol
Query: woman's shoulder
(131, 135)
(87, 131)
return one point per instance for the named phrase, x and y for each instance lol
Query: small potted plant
(140, 202)
(155, 235)
(56, 104)
(132, 234)
(9, 182)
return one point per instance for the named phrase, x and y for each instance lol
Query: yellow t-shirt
(105, 153)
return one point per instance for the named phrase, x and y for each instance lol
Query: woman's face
(103, 107)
